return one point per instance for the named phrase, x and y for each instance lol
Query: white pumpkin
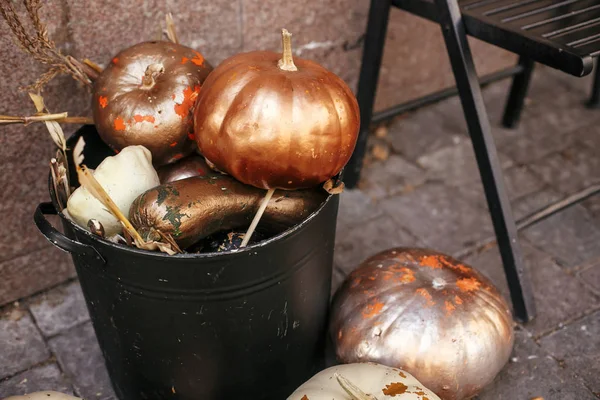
(46, 395)
(124, 177)
(362, 381)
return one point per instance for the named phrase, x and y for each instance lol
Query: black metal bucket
(249, 324)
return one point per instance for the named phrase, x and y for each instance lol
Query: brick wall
(329, 32)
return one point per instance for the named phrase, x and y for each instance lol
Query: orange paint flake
(189, 98)
(184, 60)
(103, 100)
(427, 296)
(115, 60)
(191, 136)
(141, 118)
(468, 284)
(372, 310)
(356, 282)
(305, 397)
(177, 156)
(198, 59)
(119, 124)
(173, 144)
(449, 307)
(394, 389)
(432, 262)
(402, 374)
(408, 276)
(458, 300)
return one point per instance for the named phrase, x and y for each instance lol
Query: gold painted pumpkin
(273, 122)
(146, 96)
(428, 314)
(362, 381)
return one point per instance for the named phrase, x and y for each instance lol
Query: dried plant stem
(353, 391)
(257, 217)
(60, 117)
(171, 33)
(40, 47)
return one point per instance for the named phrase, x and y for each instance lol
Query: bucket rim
(211, 255)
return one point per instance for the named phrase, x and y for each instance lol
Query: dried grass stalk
(40, 46)
(87, 180)
(171, 33)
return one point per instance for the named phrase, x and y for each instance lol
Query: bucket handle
(57, 238)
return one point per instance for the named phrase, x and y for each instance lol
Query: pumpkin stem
(152, 72)
(353, 391)
(286, 62)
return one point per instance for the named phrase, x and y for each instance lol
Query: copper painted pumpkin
(146, 96)
(271, 121)
(428, 314)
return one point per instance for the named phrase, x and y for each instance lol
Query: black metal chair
(564, 34)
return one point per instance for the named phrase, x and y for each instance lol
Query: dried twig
(56, 133)
(171, 33)
(39, 45)
(60, 118)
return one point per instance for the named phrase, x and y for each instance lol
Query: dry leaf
(381, 131)
(380, 152)
(333, 188)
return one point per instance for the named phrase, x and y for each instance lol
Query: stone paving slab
(559, 296)
(22, 345)
(392, 176)
(533, 202)
(42, 378)
(591, 276)
(440, 216)
(420, 132)
(355, 208)
(80, 358)
(355, 244)
(576, 346)
(519, 181)
(533, 374)
(59, 309)
(456, 165)
(572, 236)
(570, 170)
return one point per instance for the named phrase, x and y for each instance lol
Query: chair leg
(594, 101)
(487, 158)
(518, 91)
(367, 83)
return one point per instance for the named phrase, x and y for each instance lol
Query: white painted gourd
(124, 177)
(362, 381)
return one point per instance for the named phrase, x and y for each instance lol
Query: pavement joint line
(50, 360)
(566, 323)
(26, 299)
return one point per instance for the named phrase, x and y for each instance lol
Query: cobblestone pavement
(426, 193)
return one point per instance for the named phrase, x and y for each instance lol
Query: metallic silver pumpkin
(428, 314)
